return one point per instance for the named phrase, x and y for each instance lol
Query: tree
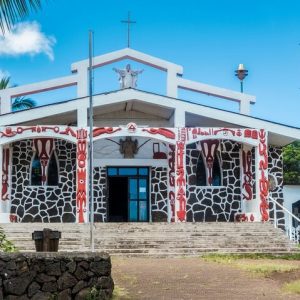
(19, 103)
(291, 163)
(12, 11)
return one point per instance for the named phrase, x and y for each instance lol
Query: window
(201, 172)
(209, 167)
(36, 171)
(216, 172)
(51, 178)
(52, 170)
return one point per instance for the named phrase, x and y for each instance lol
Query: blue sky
(208, 38)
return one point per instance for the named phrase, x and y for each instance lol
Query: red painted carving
(241, 218)
(81, 195)
(263, 181)
(247, 175)
(44, 148)
(105, 130)
(161, 131)
(225, 131)
(68, 131)
(5, 173)
(172, 180)
(10, 132)
(180, 180)
(209, 149)
(12, 218)
(251, 133)
(251, 218)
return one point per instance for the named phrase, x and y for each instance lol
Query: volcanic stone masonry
(59, 276)
(43, 203)
(209, 204)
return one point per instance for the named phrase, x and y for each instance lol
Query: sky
(208, 38)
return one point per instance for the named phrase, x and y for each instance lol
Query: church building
(157, 158)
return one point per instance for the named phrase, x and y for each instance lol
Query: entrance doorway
(128, 195)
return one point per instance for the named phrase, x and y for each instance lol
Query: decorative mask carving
(128, 147)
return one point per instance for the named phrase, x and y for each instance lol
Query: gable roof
(279, 134)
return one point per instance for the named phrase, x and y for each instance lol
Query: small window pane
(143, 189)
(53, 171)
(201, 172)
(133, 188)
(143, 171)
(143, 211)
(128, 171)
(216, 172)
(133, 216)
(112, 171)
(36, 171)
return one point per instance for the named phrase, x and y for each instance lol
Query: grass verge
(260, 264)
(120, 293)
(292, 287)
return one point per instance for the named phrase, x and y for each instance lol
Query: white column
(82, 117)
(82, 82)
(245, 107)
(179, 117)
(172, 87)
(5, 103)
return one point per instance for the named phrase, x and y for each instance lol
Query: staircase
(159, 239)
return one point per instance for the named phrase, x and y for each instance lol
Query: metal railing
(293, 232)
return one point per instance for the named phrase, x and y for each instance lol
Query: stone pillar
(1, 176)
(246, 177)
(180, 176)
(262, 189)
(81, 177)
(6, 179)
(171, 183)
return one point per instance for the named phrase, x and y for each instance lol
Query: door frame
(137, 176)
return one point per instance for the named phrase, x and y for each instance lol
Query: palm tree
(19, 103)
(12, 11)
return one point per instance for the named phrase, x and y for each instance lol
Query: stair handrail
(292, 232)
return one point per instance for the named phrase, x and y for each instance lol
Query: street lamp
(241, 74)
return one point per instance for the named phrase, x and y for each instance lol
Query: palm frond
(4, 82)
(11, 11)
(21, 103)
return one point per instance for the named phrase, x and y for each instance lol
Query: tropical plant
(19, 103)
(291, 163)
(12, 11)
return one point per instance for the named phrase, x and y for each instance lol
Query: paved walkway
(189, 279)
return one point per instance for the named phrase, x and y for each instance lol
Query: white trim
(123, 162)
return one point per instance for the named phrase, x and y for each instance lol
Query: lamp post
(241, 74)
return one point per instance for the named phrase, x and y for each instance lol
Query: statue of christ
(128, 77)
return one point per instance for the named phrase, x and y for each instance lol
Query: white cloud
(26, 38)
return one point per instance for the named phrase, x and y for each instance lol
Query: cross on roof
(129, 22)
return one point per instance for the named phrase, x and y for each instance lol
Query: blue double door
(128, 194)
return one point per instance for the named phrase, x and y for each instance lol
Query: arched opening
(36, 171)
(52, 175)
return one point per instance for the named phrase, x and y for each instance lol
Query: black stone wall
(212, 204)
(159, 194)
(275, 170)
(59, 276)
(100, 194)
(43, 203)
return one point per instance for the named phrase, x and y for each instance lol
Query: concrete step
(159, 239)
